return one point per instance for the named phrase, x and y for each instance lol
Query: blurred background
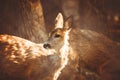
(19, 17)
(98, 15)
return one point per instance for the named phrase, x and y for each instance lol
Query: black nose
(47, 46)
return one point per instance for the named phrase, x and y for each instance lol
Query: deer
(21, 59)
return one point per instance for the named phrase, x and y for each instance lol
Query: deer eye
(57, 36)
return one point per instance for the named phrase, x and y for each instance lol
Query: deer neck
(66, 47)
(63, 54)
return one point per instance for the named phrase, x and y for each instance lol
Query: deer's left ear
(68, 23)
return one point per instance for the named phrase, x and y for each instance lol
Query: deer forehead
(58, 31)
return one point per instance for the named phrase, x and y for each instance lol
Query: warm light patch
(116, 18)
(19, 50)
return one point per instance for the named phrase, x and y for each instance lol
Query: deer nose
(46, 46)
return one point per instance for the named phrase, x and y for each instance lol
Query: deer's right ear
(59, 21)
(68, 23)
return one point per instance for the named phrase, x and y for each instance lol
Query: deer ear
(68, 23)
(59, 21)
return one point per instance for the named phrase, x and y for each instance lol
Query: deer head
(60, 35)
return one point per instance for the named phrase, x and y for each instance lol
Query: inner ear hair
(68, 22)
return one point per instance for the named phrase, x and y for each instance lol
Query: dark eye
(57, 36)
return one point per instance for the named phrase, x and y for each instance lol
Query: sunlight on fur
(22, 53)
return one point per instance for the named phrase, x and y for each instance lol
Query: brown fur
(21, 59)
(94, 57)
